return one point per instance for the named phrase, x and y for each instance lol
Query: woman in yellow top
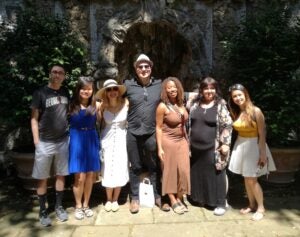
(250, 156)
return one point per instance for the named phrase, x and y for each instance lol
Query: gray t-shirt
(53, 109)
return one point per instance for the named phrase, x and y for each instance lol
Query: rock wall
(182, 37)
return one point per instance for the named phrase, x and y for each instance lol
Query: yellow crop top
(245, 130)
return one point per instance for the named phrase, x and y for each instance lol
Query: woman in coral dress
(172, 143)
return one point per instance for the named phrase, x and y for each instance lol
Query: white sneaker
(219, 211)
(115, 206)
(108, 206)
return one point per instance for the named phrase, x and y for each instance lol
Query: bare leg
(60, 183)
(109, 194)
(179, 197)
(257, 193)
(116, 194)
(41, 187)
(88, 185)
(250, 195)
(258, 196)
(109, 197)
(78, 188)
(181, 201)
(175, 203)
(173, 199)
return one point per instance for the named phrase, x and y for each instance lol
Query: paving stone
(73, 221)
(96, 231)
(195, 214)
(53, 231)
(124, 217)
(282, 219)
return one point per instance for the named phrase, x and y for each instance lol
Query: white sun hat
(110, 83)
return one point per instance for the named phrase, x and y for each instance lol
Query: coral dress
(114, 150)
(84, 143)
(176, 165)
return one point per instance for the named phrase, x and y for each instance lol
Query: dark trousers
(142, 155)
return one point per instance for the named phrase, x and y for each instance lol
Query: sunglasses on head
(115, 88)
(144, 66)
(236, 87)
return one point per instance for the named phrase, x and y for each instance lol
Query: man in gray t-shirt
(49, 126)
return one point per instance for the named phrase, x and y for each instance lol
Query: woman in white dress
(113, 141)
(250, 156)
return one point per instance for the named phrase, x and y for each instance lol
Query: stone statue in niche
(117, 31)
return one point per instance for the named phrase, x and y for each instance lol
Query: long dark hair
(180, 93)
(75, 101)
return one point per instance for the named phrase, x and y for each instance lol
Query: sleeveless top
(84, 143)
(114, 149)
(244, 130)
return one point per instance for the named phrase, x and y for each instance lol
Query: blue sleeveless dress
(84, 143)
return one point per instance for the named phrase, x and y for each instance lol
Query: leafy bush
(264, 55)
(27, 51)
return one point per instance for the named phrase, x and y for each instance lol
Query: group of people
(147, 125)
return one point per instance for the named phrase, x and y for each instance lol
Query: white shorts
(46, 153)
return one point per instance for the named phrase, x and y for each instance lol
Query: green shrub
(264, 55)
(27, 51)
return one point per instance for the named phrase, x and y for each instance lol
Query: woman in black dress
(210, 137)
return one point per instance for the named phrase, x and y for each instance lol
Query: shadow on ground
(14, 199)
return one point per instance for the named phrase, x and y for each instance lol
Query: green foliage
(264, 55)
(27, 52)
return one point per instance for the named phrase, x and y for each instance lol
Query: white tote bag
(146, 194)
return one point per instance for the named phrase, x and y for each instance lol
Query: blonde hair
(105, 100)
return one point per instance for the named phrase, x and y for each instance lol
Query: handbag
(146, 194)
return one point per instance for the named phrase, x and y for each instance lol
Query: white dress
(114, 150)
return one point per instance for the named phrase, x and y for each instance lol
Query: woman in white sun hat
(113, 141)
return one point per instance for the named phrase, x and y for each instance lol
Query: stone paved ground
(19, 212)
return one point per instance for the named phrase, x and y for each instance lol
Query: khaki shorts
(48, 154)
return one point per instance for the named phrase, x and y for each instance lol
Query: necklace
(207, 106)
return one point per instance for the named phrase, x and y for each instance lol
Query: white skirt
(245, 156)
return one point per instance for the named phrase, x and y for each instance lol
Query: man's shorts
(48, 154)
